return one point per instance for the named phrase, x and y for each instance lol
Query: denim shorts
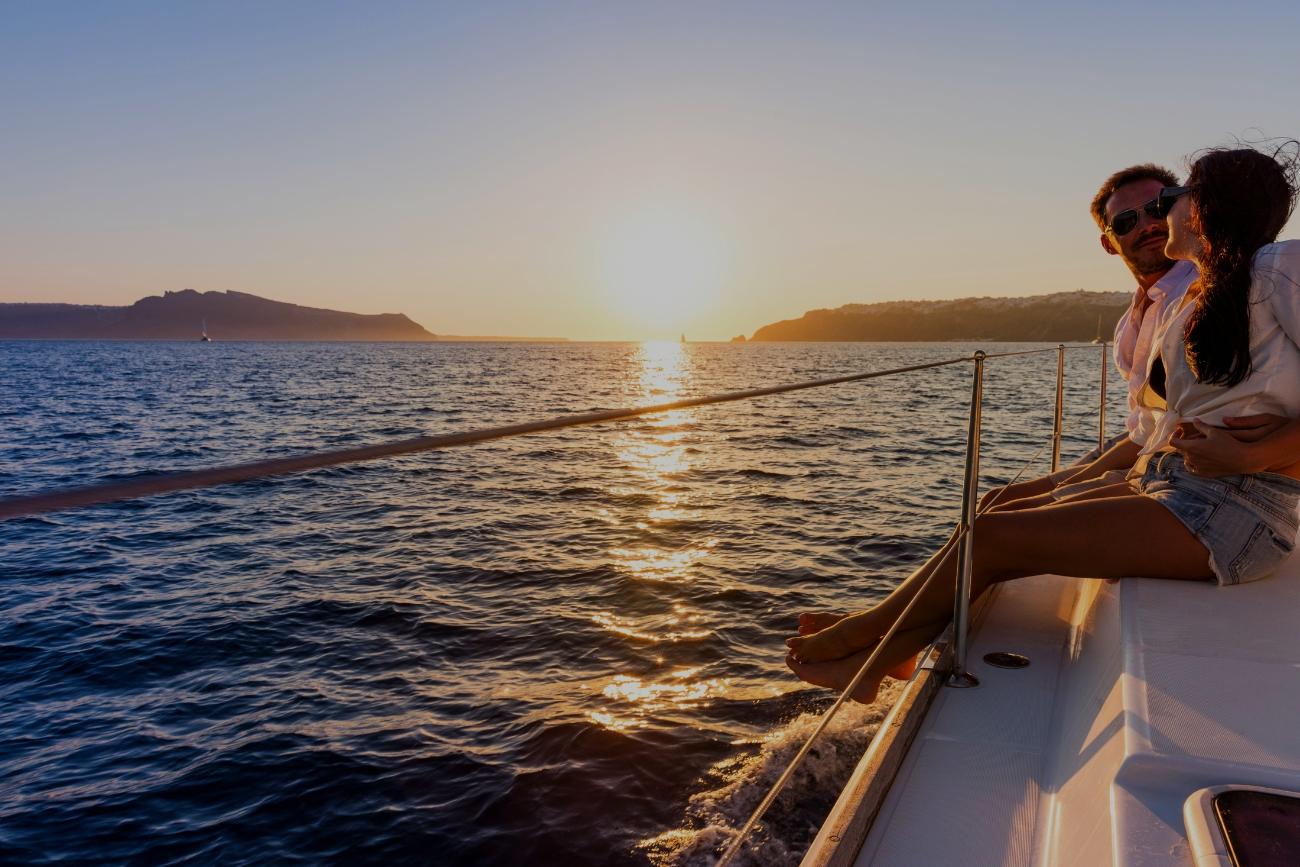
(1248, 523)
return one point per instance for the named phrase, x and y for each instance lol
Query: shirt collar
(1181, 273)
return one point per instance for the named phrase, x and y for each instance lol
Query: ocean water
(563, 648)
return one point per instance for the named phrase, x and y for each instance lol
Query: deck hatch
(1262, 829)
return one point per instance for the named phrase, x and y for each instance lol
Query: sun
(661, 270)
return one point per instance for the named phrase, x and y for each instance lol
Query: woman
(1232, 348)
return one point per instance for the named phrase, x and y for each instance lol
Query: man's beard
(1151, 258)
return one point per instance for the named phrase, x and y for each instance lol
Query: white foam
(739, 784)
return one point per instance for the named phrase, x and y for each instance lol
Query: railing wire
(33, 504)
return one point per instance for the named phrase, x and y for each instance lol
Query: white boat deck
(1138, 695)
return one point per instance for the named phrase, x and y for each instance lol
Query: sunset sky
(602, 170)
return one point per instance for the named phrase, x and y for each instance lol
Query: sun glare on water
(662, 271)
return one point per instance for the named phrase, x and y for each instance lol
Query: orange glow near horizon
(661, 272)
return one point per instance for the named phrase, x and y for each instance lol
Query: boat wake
(736, 786)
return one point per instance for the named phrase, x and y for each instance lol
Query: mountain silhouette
(183, 315)
(1062, 316)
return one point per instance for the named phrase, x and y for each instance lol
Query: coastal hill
(181, 316)
(1061, 316)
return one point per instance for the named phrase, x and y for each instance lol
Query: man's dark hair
(1143, 172)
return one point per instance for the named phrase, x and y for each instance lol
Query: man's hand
(1253, 428)
(1212, 451)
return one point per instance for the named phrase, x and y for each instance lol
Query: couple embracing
(1205, 481)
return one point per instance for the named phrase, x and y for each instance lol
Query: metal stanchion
(960, 677)
(1101, 415)
(1060, 407)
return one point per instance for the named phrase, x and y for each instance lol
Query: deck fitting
(962, 680)
(1006, 659)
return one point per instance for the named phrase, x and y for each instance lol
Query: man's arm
(1250, 444)
(1118, 457)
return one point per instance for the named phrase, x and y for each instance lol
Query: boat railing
(958, 676)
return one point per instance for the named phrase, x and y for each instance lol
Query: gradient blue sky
(548, 168)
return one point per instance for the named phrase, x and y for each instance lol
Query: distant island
(1068, 317)
(183, 316)
(227, 315)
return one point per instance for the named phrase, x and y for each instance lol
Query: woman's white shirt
(1274, 383)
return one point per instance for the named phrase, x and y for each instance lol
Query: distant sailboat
(1097, 339)
(205, 338)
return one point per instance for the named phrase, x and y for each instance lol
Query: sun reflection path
(654, 564)
(681, 625)
(659, 547)
(656, 455)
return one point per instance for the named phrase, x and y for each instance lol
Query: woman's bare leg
(1095, 537)
(811, 622)
(903, 591)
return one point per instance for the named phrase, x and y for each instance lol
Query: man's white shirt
(1136, 337)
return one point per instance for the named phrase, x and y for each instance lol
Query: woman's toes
(816, 621)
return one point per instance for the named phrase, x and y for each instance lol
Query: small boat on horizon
(205, 338)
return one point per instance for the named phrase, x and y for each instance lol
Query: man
(1124, 209)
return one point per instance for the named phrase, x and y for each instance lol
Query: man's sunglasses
(1157, 209)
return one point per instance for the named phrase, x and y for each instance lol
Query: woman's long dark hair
(1241, 199)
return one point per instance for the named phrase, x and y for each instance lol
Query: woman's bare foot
(816, 621)
(834, 642)
(836, 675)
